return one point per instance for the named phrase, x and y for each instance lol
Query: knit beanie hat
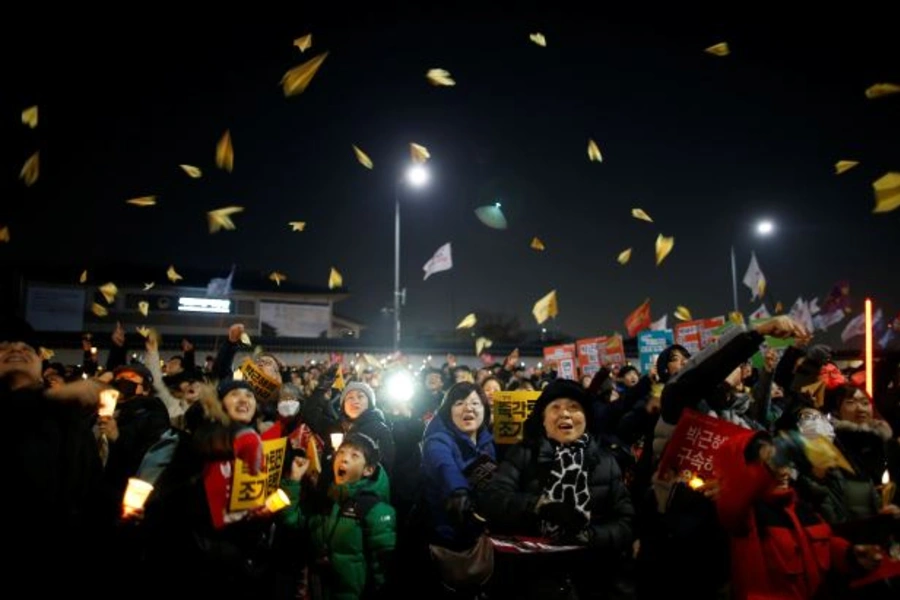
(556, 389)
(366, 444)
(359, 386)
(230, 385)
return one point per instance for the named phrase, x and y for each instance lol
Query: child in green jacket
(350, 526)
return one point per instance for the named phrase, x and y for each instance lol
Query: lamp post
(763, 228)
(416, 176)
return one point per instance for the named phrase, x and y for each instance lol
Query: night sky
(706, 145)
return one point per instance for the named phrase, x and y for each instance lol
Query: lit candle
(108, 400)
(277, 500)
(237, 375)
(885, 477)
(136, 495)
(336, 440)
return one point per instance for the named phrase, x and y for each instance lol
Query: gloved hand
(248, 447)
(459, 506)
(584, 537)
(564, 515)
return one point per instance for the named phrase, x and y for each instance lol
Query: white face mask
(288, 408)
(816, 427)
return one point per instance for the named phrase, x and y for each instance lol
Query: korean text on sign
(250, 491)
(696, 443)
(510, 411)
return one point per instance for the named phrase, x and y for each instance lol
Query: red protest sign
(695, 444)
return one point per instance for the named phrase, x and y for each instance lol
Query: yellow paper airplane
(468, 321)
(277, 277)
(296, 80)
(842, 166)
(142, 201)
(887, 192)
(173, 275)
(221, 218)
(624, 256)
(304, 43)
(682, 313)
(720, 49)
(638, 213)
(539, 39)
(30, 116)
(593, 151)
(144, 307)
(225, 152)
(31, 170)
(192, 171)
(537, 244)
(419, 154)
(482, 344)
(664, 246)
(362, 157)
(297, 225)
(882, 89)
(83, 277)
(439, 77)
(334, 279)
(109, 291)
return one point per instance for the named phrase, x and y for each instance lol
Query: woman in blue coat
(456, 441)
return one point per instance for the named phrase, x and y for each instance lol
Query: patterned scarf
(569, 481)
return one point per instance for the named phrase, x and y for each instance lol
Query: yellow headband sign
(264, 386)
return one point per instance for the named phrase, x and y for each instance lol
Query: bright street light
(417, 175)
(765, 227)
(400, 387)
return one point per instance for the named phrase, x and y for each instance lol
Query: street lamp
(415, 176)
(763, 228)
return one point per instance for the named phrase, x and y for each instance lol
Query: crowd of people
(380, 497)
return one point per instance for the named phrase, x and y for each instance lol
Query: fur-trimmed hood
(876, 427)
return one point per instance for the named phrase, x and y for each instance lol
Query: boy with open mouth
(350, 525)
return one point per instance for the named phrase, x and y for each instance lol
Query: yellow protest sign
(250, 491)
(510, 410)
(264, 386)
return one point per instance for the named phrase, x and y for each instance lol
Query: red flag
(639, 319)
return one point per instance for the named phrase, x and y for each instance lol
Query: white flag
(823, 321)
(220, 287)
(800, 313)
(754, 278)
(441, 261)
(814, 306)
(660, 324)
(857, 325)
(760, 313)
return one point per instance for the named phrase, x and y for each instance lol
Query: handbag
(469, 568)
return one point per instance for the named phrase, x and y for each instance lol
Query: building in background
(190, 308)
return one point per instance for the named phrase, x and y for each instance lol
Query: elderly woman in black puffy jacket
(559, 484)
